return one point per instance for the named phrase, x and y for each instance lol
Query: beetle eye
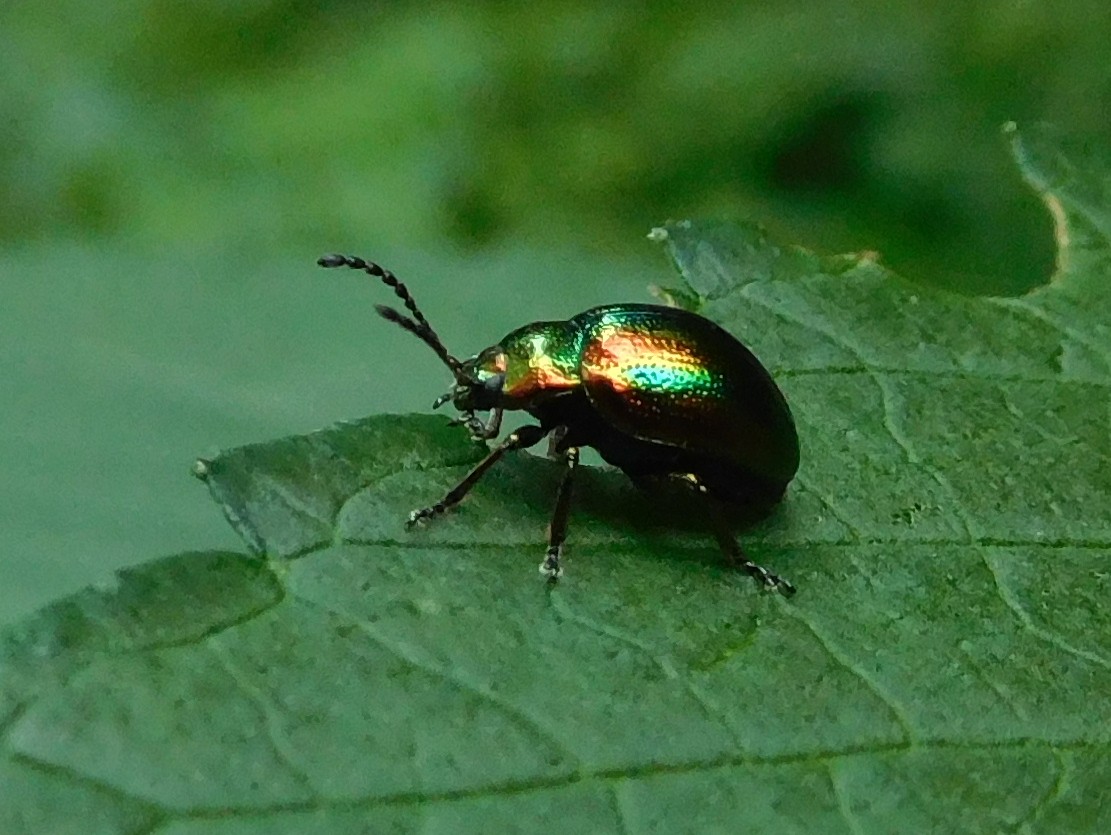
(494, 383)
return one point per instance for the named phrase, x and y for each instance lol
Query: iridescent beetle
(657, 391)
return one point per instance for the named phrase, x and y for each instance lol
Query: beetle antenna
(424, 333)
(418, 325)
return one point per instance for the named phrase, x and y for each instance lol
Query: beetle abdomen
(669, 376)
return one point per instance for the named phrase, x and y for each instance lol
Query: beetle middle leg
(734, 554)
(523, 438)
(557, 530)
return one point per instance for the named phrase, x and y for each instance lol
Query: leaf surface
(946, 665)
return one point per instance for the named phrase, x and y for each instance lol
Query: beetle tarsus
(477, 429)
(730, 548)
(766, 578)
(551, 567)
(416, 517)
(470, 421)
(480, 430)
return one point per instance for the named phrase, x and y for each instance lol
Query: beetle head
(478, 383)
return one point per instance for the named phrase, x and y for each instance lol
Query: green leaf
(946, 665)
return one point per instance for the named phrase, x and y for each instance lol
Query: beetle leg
(554, 440)
(480, 431)
(493, 426)
(734, 554)
(472, 422)
(523, 438)
(557, 530)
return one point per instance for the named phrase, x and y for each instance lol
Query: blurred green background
(170, 172)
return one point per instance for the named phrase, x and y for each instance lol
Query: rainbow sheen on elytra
(664, 375)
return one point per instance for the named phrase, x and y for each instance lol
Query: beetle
(659, 392)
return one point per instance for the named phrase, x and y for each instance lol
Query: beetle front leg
(557, 530)
(480, 431)
(734, 554)
(492, 428)
(523, 438)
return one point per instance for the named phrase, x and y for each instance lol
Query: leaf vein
(844, 806)
(1053, 793)
(898, 712)
(934, 374)
(1042, 315)
(631, 772)
(455, 678)
(709, 709)
(279, 742)
(1024, 618)
(901, 440)
(829, 504)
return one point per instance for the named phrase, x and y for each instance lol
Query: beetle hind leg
(732, 550)
(557, 530)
